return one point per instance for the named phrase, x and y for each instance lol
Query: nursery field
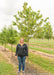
(41, 54)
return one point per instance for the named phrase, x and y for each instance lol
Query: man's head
(21, 40)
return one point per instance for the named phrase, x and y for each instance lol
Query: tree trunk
(28, 42)
(5, 46)
(2, 43)
(48, 40)
(11, 51)
(28, 49)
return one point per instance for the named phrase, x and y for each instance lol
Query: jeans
(21, 62)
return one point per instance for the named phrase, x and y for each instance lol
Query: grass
(43, 45)
(34, 48)
(43, 62)
(43, 42)
(9, 47)
(42, 50)
(5, 68)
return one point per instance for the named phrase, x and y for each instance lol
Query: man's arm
(27, 50)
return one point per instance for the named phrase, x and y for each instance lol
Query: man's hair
(21, 38)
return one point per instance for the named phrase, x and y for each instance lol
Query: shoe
(18, 72)
(23, 72)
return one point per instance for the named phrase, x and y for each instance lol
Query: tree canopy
(27, 20)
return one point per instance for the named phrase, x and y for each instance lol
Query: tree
(27, 20)
(12, 37)
(48, 33)
(9, 35)
(39, 32)
(3, 36)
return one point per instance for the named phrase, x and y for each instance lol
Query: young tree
(27, 20)
(12, 37)
(39, 32)
(48, 33)
(1, 38)
(4, 36)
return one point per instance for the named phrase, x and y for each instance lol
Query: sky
(8, 8)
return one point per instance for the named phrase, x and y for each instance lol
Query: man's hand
(16, 57)
(26, 56)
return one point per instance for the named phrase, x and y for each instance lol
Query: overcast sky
(8, 8)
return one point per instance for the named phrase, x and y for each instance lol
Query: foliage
(12, 35)
(27, 20)
(48, 33)
(3, 35)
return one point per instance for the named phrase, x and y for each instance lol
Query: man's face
(21, 40)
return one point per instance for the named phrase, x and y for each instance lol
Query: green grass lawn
(43, 42)
(43, 62)
(42, 50)
(5, 68)
(43, 45)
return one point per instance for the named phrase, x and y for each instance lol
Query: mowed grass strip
(9, 47)
(5, 68)
(42, 50)
(43, 62)
(43, 46)
(34, 48)
(43, 42)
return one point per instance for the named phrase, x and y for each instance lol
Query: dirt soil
(42, 54)
(42, 47)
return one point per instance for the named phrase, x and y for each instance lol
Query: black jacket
(21, 50)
